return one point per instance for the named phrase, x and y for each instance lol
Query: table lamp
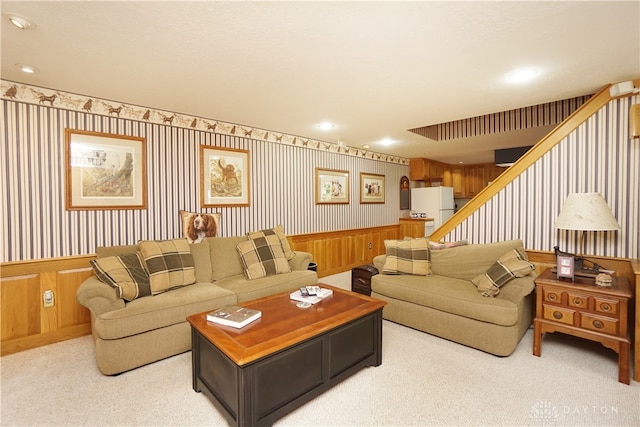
(583, 212)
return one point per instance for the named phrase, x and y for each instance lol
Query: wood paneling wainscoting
(338, 251)
(26, 323)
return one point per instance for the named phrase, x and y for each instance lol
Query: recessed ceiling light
(326, 126)
(20, 21)
(524, 75)
(387, 142)
(29, 69)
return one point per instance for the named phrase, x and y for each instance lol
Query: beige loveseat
(448, 304)
(129, 334)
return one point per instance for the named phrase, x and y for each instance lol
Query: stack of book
(234, 316)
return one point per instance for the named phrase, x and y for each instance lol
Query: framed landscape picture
(105, 171)
(224, 176)
(332, 186)
(372, 188)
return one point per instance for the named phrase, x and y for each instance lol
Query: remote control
(304, 292)
(313, 290)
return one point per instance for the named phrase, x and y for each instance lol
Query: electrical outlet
(48, 298)
(370, 245)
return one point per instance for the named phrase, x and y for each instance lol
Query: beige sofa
(131, 334)
(447, 304)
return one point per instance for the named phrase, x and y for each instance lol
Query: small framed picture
(332, 186)
(372, 188)
(565, 267)
(224, 177)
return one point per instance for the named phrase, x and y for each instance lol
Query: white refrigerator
(436, 202)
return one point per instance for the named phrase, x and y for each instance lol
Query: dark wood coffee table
(290, 355)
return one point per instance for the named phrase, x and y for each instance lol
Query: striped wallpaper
(36, 225)
(547, 114)
(599, 156)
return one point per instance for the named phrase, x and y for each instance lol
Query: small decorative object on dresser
(361, 279)
(584, 310)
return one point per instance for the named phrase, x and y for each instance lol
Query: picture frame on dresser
(105, 171)
(565, 267)
(224, 177)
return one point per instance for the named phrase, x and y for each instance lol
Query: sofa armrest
(300, 261)
(378, 262)
(98, 296)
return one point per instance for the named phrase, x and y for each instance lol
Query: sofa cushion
(509, 266)
(162, 310)
(455, 296)
(225, 261)
(202, 261)
(266, 286)
(466, 262)
(125, 273)
(197, 227)
(278, 231)
(169, 263)
(263, 256)
(410, 256)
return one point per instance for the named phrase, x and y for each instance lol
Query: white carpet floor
(423, 380)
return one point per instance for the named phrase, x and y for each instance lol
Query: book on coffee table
(312, 299)
(234, 316)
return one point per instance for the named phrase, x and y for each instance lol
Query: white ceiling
(375, 69)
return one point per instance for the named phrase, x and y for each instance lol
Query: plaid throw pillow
(407, 256)
(169, 263)
(262, 256)
(125, 273)
(509, 266)
(278, 231)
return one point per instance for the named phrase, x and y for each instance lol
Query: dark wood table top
(283, 323)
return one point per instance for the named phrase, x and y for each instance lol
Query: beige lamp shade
(586, 212)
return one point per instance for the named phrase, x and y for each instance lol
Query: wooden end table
(583, 309)
(361, 279)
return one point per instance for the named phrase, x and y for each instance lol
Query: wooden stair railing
(589, 108)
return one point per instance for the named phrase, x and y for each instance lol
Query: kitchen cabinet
(447, 179)
(475, 179)
(494, 171)
(457, 181)
(412, 227)
(421, 169)
(466, 180)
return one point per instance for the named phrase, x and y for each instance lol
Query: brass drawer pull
(552, 297)
(577, 301)
(557, 315)
(605, 307)
(598, 324)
